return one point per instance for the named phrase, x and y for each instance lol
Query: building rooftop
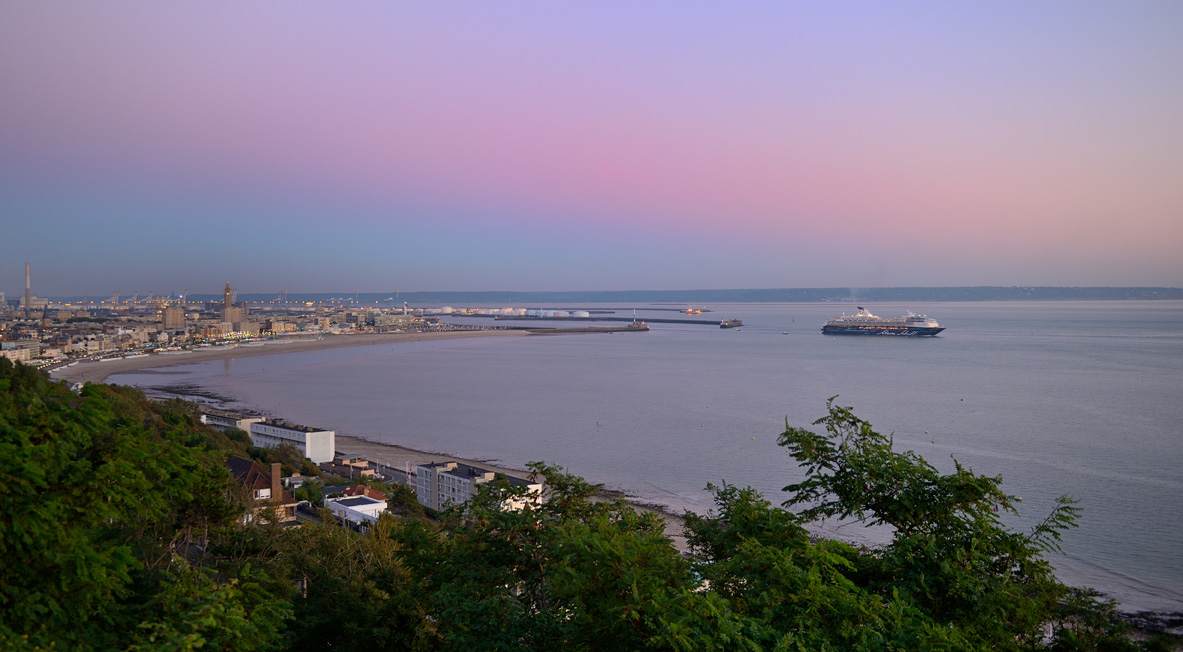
(280, 423)
(358, 500)
(466, 471)
(214, 412)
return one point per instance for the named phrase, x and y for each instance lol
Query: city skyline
(607, 147)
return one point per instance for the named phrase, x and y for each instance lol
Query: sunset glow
(606, 146)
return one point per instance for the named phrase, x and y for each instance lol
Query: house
(294, 481)
(358, 510)
(266, 492)
(349, 466)
(440, 484)
(362, 490)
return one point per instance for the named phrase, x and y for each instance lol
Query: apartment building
(227, 421)
(316, 444)
(441, 484)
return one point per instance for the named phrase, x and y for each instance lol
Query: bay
(1056, 397)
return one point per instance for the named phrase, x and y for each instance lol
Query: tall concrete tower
(226, 301)
(28, 292)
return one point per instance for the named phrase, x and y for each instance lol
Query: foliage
(196, 611)
(309, 491)
(100, 491)
(291, 457)
(120, 529)
(797, 594)
(950, 556)
(573, 573)
(403, 502)
(357, 592)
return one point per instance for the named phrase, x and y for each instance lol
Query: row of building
(436, 485)
(357, 505)
(36, 330)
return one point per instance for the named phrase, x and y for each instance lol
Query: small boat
(730, 323)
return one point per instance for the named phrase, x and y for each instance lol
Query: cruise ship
(864, 323)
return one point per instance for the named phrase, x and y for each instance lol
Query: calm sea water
(1078, 398)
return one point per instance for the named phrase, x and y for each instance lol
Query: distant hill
(783, 295)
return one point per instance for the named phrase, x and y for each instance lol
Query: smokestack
(28, 293)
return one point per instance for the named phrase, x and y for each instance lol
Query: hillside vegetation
(121, 529)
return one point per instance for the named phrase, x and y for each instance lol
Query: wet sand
(98, 371)
(391, 455)
(398, 457)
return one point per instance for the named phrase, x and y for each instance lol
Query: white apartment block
(226, 421)
(317, 445)
(451, 483)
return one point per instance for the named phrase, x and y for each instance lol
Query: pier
(659, 320)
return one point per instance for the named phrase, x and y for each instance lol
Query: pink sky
(660, 146)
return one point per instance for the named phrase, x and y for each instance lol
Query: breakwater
(658, 320)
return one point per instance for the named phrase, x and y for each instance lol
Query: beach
(390, 455)
(98, 371)
(400, 457)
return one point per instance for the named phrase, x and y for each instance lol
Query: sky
(325, 147)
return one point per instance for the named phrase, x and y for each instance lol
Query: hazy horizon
(688, 296)
(166, 148)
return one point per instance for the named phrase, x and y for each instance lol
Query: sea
(1078, 398)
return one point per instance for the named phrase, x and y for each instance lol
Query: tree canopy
(121, 529)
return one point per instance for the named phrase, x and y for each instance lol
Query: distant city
(54, 331)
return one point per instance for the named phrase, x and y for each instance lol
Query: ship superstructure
(864, 323)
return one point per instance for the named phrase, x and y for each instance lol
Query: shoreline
(394, 455)
(390, 455)
(97, 371)
(397, 457)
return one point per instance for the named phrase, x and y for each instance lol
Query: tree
(573, 573)
(798, 594)
(199, 612)
(950, 555)
(99, 492)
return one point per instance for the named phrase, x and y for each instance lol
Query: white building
(22, 351)
(227, 421)
(356, 509)
(317, 445)
(451, 483)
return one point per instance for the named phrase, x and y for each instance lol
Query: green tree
(950, 556)
(199, 612)
(798, 594)
(355, 590)
(99, 490)
(574, 573)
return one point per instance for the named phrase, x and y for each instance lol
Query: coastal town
(359, 503)
(53, 333)
(49, 333)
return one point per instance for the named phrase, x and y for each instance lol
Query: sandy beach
(399, 457)
(390, 455)
(98, 371)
